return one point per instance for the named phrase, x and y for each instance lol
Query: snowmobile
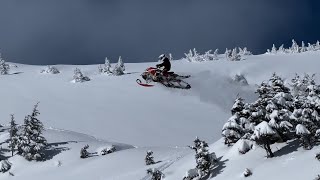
(168, 79)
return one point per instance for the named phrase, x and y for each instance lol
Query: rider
(165, 64)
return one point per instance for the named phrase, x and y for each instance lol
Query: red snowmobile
(168, 79)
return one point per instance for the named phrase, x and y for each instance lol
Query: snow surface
(115, 109)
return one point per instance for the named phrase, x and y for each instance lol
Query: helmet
(162, 56)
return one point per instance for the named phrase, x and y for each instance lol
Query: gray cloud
(86, 31)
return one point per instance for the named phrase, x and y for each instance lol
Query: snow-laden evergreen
(50, 70)
(119, 68)
(5, 166)
(78, 77)
(149, 158)
(108, 150)
(105, 68)
(194, 56)
(155, 174)
(278, 115)
(295, 48)
(4, 66)
(31, 143)
(84, 152)
(14, 137)
(204, 159)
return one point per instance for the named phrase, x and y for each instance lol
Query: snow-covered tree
(205, 160)
(244, 52)
(191, 174)
(317, 178)
(5, 166)
(155, 174)
(108, 150)
(247, 172)
(235, 56)
(79, 77)
(264, 135)
(215, 54)
(4, 67)
(84, 152)
(105, 68)
(239, 78)
(149, 158)
(318, 156)
(119, 68)
(273, 49)
(50, 70)
(303, 47)
(304, 134)
(14, 137)
(281, 49)
(228, 53)
(31, 143)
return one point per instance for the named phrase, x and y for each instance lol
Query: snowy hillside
(114, 110)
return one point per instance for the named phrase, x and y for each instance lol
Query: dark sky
(86, 31)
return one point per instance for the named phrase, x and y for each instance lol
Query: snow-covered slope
(164, 120)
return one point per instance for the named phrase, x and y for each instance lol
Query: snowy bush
(79, 77)
(50, 70)
(31, 143)
(247, 172)
(5, 166)
(318, 177)
(194, 56)
(149, 158)
(235, 56)
(155, 174)
(105, 68)
(119, 68)
(83, 152)
(108, 150)
(205, 160)
(4, 67)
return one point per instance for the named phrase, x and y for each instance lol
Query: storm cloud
(87, 31)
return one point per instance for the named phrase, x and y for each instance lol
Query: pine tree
(215, 54)
(155, 174)
(149, 158)
(264, 135)
(106, 67)
(247, 172)
(204, 159)
(305, 136)
(79, 77)
(4, 67)
(235, 56)
(108, 150)
(119, 68)
(303, 47)
(274, 49)
(31, 143)
(294, 47)
(13, 135)
(83, 152)
(50, 70)
(5, 166)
